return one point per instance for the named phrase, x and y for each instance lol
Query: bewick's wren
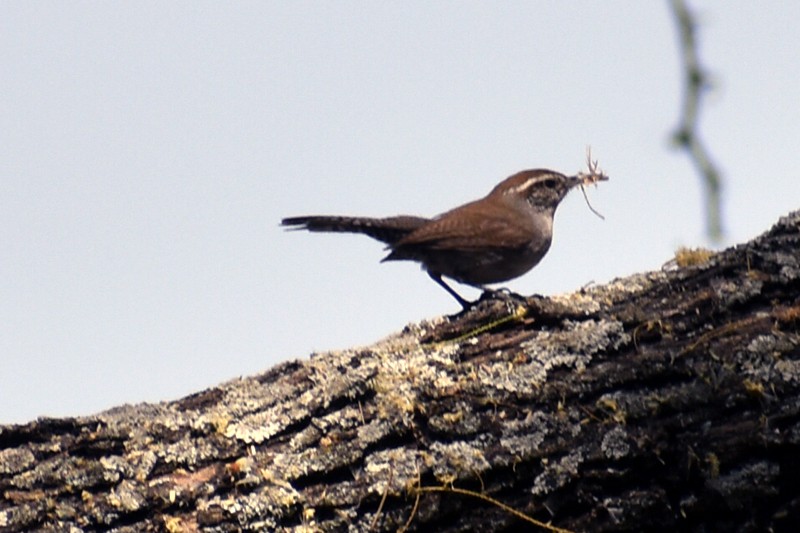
(497, 238)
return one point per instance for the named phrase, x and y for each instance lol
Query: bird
(491, 240)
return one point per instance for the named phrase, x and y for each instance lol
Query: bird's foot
(502, 294)
(493, 303)
(512, 301)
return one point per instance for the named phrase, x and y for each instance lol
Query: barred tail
(388, 230)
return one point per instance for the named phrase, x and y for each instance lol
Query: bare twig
(417, 483)
(383, 500)
(510, 510)
(686, 135)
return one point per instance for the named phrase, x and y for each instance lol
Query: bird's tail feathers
(388, 230)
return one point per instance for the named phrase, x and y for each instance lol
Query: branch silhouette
(686, 136)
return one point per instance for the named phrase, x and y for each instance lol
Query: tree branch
(665, 401)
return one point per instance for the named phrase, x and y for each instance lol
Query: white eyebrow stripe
(528, 183)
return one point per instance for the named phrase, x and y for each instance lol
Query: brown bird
(495, 239)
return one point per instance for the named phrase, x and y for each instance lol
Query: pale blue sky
(149, 149)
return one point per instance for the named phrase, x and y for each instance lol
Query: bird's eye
(550, 183)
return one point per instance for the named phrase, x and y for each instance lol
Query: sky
(148, 151)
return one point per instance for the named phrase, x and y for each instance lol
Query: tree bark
(666, 401)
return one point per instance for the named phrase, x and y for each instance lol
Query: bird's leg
(435, 276)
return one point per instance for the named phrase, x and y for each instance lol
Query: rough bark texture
(660, 402)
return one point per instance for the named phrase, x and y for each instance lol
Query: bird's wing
(488, 228)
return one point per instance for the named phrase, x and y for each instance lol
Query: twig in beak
(591, 178)
(592, 209)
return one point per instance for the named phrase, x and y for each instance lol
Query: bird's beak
(574, 181)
